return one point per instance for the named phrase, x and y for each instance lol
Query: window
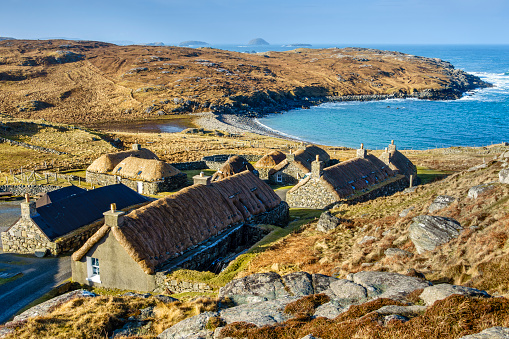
(93, 270)
(279, 177)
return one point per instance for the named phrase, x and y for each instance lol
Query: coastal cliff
(85, 81)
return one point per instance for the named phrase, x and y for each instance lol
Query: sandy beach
(232, 123)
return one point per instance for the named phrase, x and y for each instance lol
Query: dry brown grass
(98, 317)
(453, 317)
(307, 305)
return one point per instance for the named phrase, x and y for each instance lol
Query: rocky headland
(82, 82)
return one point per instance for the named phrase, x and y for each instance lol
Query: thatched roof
(144, 169)
(304, 157)
(233, 165)
(107, 162)
(347, 177)
(270, 160)
(402, 164)
(164, 228)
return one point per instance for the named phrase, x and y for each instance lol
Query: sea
(479, 118)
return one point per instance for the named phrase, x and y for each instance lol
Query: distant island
(153, 44)
(298, 45)
(192, 43)
(6, 38)
(258, 42)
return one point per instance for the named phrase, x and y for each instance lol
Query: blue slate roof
(64, 216)
(62, 193)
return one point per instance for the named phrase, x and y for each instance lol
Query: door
(140, 187)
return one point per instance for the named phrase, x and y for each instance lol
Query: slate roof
(62, 193)
(64, 216)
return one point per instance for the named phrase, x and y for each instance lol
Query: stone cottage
(399, 163)
(296, 165)
(66, 224)
(235, 164)
(267, 162)
(189, 229)
(362, 178)
(139, 169)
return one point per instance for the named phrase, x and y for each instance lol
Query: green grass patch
(298, 217)
(428, 175)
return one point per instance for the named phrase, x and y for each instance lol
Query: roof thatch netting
(232, 166)
(400, 163)
(354, 175)
(270, 160)
(107, 162)
(164, 228)
(144, 169)
(304, 157)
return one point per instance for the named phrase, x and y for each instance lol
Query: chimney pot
(27, 198)
(113, 207)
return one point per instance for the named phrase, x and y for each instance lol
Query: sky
(277, 21)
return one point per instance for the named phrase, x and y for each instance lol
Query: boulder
(428, 232)
(475, 191)
(405, 212)
(321, 282)
(496, 332)
(329, 310)
(327, 222)
(442, 291)
(165, 299)
(503, 176)
(391, 252)
(440, 202)
(388, 284)
(260, 314)
(254, 288)
(366, 239)
(186, 328)
(298, 283)
(346, 291)
(41, 252)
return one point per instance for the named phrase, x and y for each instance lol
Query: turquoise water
(479, 118)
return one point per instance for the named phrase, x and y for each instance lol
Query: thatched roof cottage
(65, 224)
(399, 163)
(232, 166)
(296, 165)
(362, 178)
(267, 162)
(188, 229)
(139, 169)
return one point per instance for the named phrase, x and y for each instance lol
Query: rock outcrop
(327, 222)
(438, 292)
(427, 232)
(475, 191)
(503, 176)
(496, 332)
(440, 202)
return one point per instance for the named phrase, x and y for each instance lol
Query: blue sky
(237, 21)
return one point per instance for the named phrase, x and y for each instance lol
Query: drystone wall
(32, 190)
(234, 239)
(24, 237)
(32, 147)
(313, 194)
(187, 166)
(149, 187)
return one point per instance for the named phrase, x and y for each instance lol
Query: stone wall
(149, 187)
(192, 165)
(25, 237)
(32, 190)
(215, 162)
(32, 147)
(233, 240)
(291, 175)
(314, 194)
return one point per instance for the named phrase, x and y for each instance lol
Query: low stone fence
(33, 147)
(21, 190)
(192, 165)
(215, 162)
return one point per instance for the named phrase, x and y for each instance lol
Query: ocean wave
(497, 93)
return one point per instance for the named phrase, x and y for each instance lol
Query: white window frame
(93, 270)
(279, 177)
